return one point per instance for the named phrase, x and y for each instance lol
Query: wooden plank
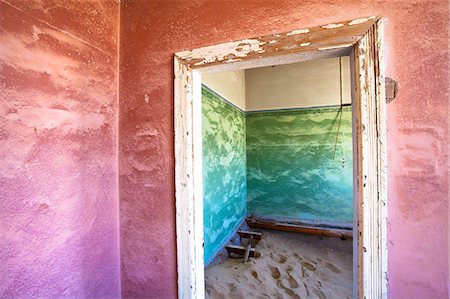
(241, 250)
(382, 213)
(371, 165)
(247, 234)
(189, 232)
(247, 251)
(288, 227)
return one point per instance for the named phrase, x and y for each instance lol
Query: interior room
(97, 168)
(277, 160)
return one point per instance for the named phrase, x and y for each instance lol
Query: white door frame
(363, 39)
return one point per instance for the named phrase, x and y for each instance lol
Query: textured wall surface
(224, 175)
(58, 109)
(58, 153)
(416, 36)
(290, 167)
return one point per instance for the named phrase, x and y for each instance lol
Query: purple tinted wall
(58, 153)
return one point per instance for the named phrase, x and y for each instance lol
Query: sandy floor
(291, 266)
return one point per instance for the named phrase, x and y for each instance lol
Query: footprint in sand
(283, 259)
(307, 266)
(288, 291)
(298, 257)
(280, 260)
(255, 275)
(275, 272)
(292, 282)
(333, 268)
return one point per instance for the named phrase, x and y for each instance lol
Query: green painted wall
(224, 170)
(273, 164)
(290, 167)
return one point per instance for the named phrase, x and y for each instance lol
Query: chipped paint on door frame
(362, 39)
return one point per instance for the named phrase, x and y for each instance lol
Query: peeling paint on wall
(298, 31)
(234, 49)
(287, 42)
(360, 21)
(332, 26)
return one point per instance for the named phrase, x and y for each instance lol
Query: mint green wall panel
(290, 168)
(224, 170)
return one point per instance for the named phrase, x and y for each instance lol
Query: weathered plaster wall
(293, 170)
(58, 153)
(417, 57)
(304, 84)
(224, 171)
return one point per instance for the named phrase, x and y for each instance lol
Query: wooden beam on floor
(247, 234)
(241, 250)
(289, 227)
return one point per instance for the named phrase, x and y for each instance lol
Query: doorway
(361, 38)
(277, 167)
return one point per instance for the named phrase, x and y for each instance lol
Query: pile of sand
(291, 266)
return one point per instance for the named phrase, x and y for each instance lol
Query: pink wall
(417, 43)
(58, 153)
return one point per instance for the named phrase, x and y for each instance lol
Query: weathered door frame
(363, 38)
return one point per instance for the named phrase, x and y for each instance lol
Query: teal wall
(290, 167)
(224, 170)
(276, 164)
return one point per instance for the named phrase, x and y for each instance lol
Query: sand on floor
(291, 265)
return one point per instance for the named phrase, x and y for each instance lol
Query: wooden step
(247, 234)
(241, 250)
